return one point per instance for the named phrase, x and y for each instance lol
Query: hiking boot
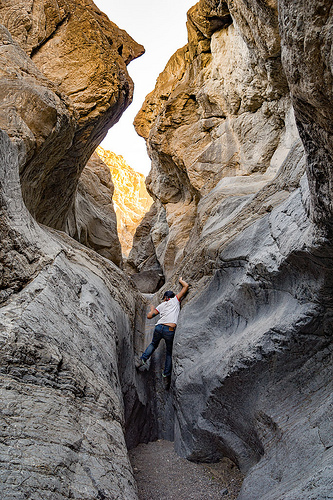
(139, 362)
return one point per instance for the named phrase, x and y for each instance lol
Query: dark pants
(161, 332)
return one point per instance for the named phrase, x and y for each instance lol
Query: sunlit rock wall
(219, 124)
(130, 197)
(64, 82)
(239, 135)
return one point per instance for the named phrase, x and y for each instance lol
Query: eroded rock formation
(95, 215)
(245, 215)
(64, 83)
(67, 315)
(66, 354)
(130, 197)
(219, 123)
(148, 273)
(239, 133)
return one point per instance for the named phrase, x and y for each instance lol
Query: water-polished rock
(240, 143)
(95, 215)
(67, 377)
(67, 318)
(219, 121)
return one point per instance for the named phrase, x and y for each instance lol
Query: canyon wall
(239, 134)
(65, 335)
(67, 314)
(64, 62)
(96, 219)
(130, 197)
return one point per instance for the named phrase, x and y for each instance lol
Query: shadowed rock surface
(95, 214)
(247, 220)
(67, 333)
(66, 354)
(70, 322)
(142, 263)
(239, 133)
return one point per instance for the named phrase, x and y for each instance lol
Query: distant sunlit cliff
(130, 198)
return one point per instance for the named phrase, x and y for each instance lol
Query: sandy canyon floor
(161, 473)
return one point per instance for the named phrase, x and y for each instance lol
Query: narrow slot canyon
(238, 205)
(159, 471)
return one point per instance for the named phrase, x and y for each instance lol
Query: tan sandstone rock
(130, 198)
(67, 88)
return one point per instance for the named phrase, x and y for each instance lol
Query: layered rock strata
(245, 215)
(67, 320)
(67, 315)
(64, 83)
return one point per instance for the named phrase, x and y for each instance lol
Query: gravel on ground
(162, 475)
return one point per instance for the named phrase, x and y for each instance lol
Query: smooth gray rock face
(142, 263)
(306, 31)
(68, 322)
(148, 281)
(249, 217)
(66, 356)
(254, 354)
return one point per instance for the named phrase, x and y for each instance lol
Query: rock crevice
(239, 134)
